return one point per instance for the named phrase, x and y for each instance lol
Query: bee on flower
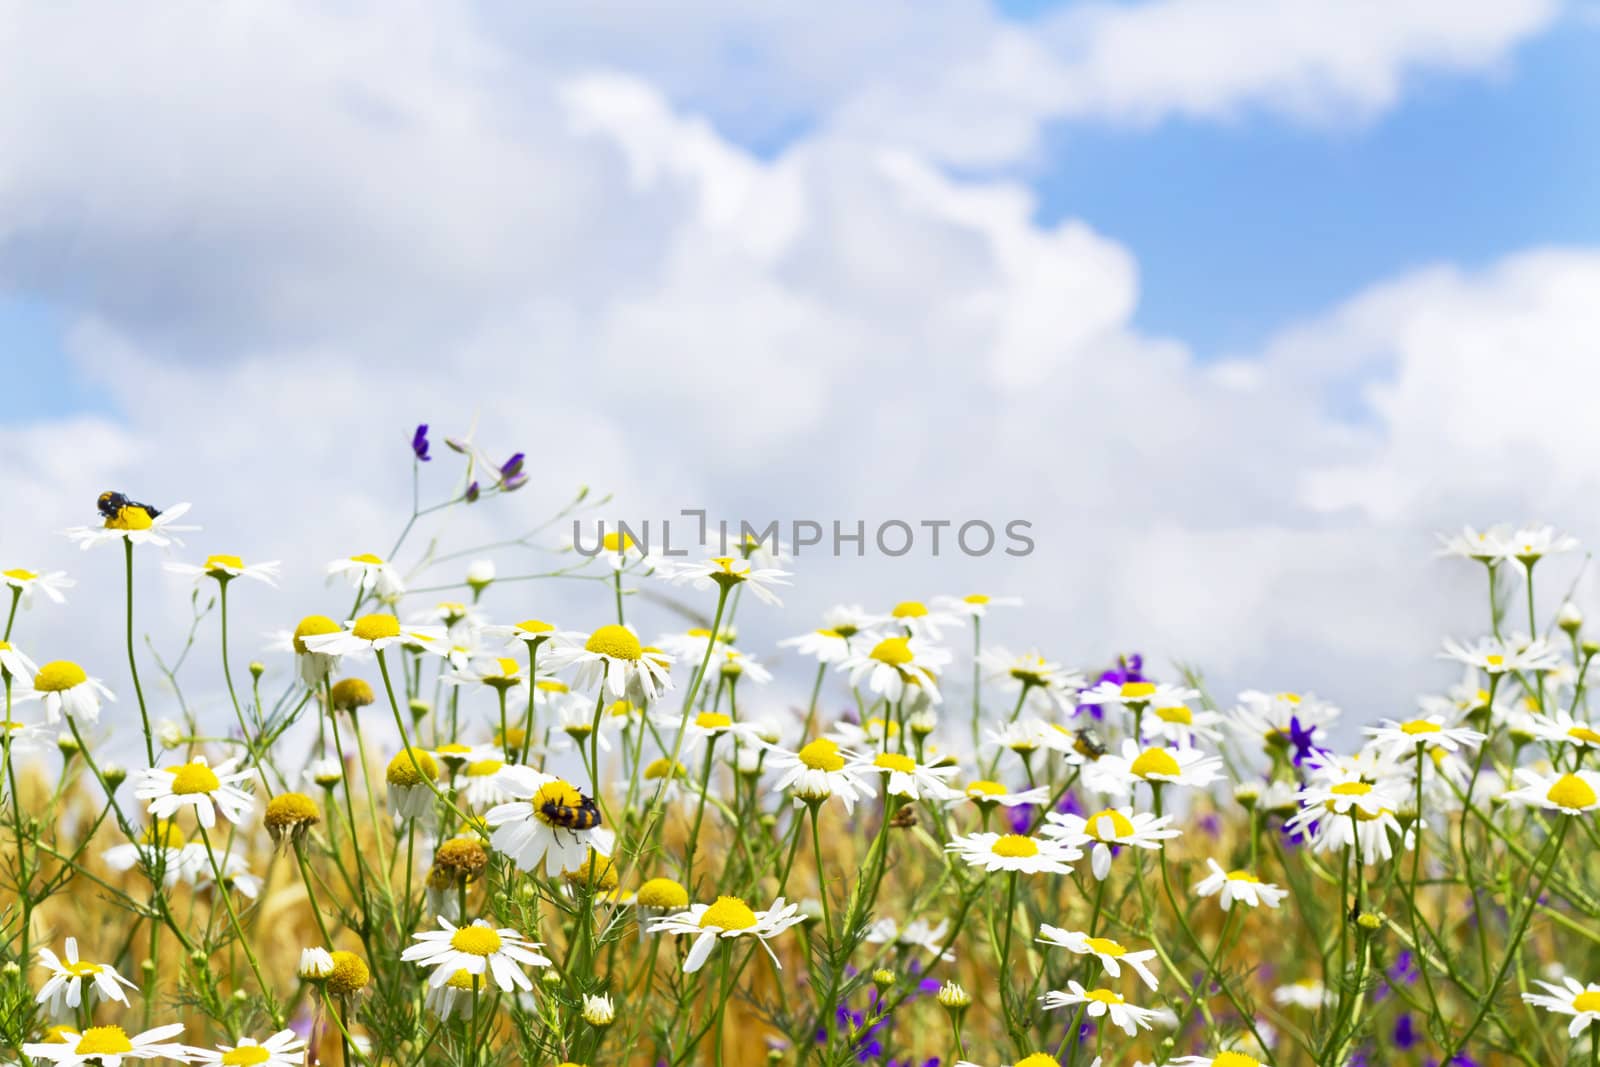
(135, 524)
(72, 980)
(725, 919)
(550, 824)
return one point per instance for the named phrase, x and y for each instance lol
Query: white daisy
(1111, 954)
(896, 663)
(1529, 544)
(613, 654)
(530, 830)
(1307, 993)
(369, 574)
(729, 917)
(161, 845)
(1399, 740)
(65, 688)
(196, 785)
(283, 1049)
(1015, 852)
(974, 605)
(374, 633)
(480, 950)
(918, 621)
(1030, 672)
(531, 632)
(1240, 886)
(1119, 773)
(1130, 1017)
(824, 646)
(1573, 794)
(1486, 546)
(225, 568)
(1225, 1058)
(26, 581)
(817, 771)
(1113, 827)
(108, 1046)
(1495, 656)
(137, 526)
(726, 572)
(1560, 728)
(1270, 718)
(985, 791)
(706, 726)
(1134, 695)
(236, 873)
(488, 781)
(617, 547)
(447, 998)
(1582, 1002)
(1179, 724)
(908, 778)
(500, 673)
(916, 934)
(64, 990)
(15, 662)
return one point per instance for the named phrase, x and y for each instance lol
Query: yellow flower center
(1105, 946)
(1587, 1001)
(1137, 690)
(410, 767)
(535, 626)
(82, 969)
(18, 574)
(663, 893)
(1121, 825)
(728, 913)
(560, 791)
(367, 558)
(310, 626)
(508, 667)
(1038, 1059)
(1290, 698)
(1104, 996)
(1420, 726)
(1234, 1059)
(1494, 660)
(475, 941)
(894, 761)
(132, 517)
(1584, 733)
(1015, 846)
(1177, 713)
(1570, 791)
(616, 541)
(164, 834)
(464, 979)
(193, 778)
(376, 627)
(661, 767)
(1352, 789)
(551, 685)
(223, 564)
(975, 598)
(821, 755)
(103, 1040)
(615, 641)
(246, 1056)
(895, 651)
(484, 768)
(453, 748)
(712, 720)
(57, 675)
(1243, 876)
(1154, 761)
(983, 787)
(910, 609)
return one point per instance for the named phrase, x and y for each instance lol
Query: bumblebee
(112, 503)
(581, 816)
(1086, 743)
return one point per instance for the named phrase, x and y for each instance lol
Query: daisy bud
(114, 774)
(883, 978)
(170, 734)
(586, 874)
(598, 1011)
(954, 998)
(1247, 794)
(774, 1055)
(147, 967)
(349, 694)
(316, 964)
(241, 997)
(460, 860)
(811, 910)
(349, 975)
(527, 893)
(288, 818)
(1569, 618)
(419, 708)
(1589, 646)
(257, 669)
(1370, 921)
(749, 763)
(11, 970)
(550, 978)
(479, 574)
(198, 958)
(68, 745)
(923, 723)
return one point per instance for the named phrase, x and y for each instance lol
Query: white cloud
(357, 228)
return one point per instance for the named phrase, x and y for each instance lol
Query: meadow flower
(531, 831)
(374, 633)
(225, 568)
(289, 817)
(1108, 829)
(15, 662)
(734, 666)
(1030, 672)
(236, 873)
(446, 998)
(488, 781)
(108, 1046)
(1111, 954)
(369, 574)
(661, 895)
(1015, 852)
(531, 632)
(350, 974)
(1569, 997)
(1306, 993)
(316, 964)
(1135, 694)
(1573, 794)
(161, 845)
(1529, 544)
(817, 771)
(974, 605)
(598, 1011)
(1221, 1059)
(500, 673)
(706, 726)
(983, 791)
(1561, 728)
(1400, 739)
(63, 687)
(199, 786)
(314, 666)
(1486, 546)
(917, 620)
(1118, 773)
(1101, 1002)
(728, 917)
(1282, 720)
(613, 655)
(1237, 886)
(906, 777)
(1179, 724)
(283, 1049)
(824, 646)
(478, 949)
(616, 547)
(135, 525)
(726, 572)
(409, 777)
(71, 977)
(894, 664)
(1495, 656)
(24, 582)
(918, 933)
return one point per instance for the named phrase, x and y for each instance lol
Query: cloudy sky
(1236, 301)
